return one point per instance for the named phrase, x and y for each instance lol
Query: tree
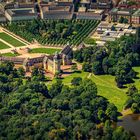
(74, 68)
(97, 68)
(39, 87)
(111, 112)
(21, 72)
(132, 90)
(121, 19)
(76, 81)
(86, 67)
(56, 88)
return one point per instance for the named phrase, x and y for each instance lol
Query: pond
(131, 123)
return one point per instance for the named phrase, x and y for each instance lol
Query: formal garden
(3, 46)
(11, 40)
(44, 50)
(53, 32)
(9, 54)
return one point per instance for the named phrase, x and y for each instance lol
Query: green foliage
(38, 74)
(9, 39)
(133, 101)
(76, 81)
(123, 20)
(74, 68)
(3, 46)
(89, 41)
(32, 111)
(44, 50)
(116, 58)
(53, 31)
(10, 54)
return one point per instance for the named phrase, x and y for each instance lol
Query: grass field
(106, 86)
(137, 81)
(45, 50)
(9, 54)
(11, 40)
(3, 46)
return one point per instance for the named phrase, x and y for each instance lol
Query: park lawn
(3, 46)
(45, 50)
(67, 80)
(9, 54)
(105, 84)
(137, 81)
(9, 39)
(107, 88)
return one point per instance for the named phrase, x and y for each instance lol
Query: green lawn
(106, 86)
(45, 50)
(11, 40)
(3, 46)
(9, 54)
(137, 81)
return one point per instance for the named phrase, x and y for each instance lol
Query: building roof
(56, 8)
(66, 50)
(137, 13)
(21, 12)
(120, 11)
(82, 9)
(15, 60)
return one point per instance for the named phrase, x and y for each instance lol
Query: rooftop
(56, 8)
(82, 9)
(137, 13)
(21, 11)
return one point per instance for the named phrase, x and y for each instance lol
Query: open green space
(45, 50)
(9, 39)
(9, 54)
(3, 46)
(54, 31)
(137, 81)
(106, 86)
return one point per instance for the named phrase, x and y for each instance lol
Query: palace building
(51, 63)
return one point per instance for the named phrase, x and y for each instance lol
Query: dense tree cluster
(53, 31)
(116, 58)
(29, 110)
(133, 101)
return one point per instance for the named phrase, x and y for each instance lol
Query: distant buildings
(2, 17)
(124, 12)
(102, 4)
(115, 14)
(84, 13)
(20, 14)
(110, 32)
(136, 17)
(132, 16)
(56, 11)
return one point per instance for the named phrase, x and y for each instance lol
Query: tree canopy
(116, 58)
(31, 110)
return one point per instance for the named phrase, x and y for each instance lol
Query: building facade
(51, 63)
